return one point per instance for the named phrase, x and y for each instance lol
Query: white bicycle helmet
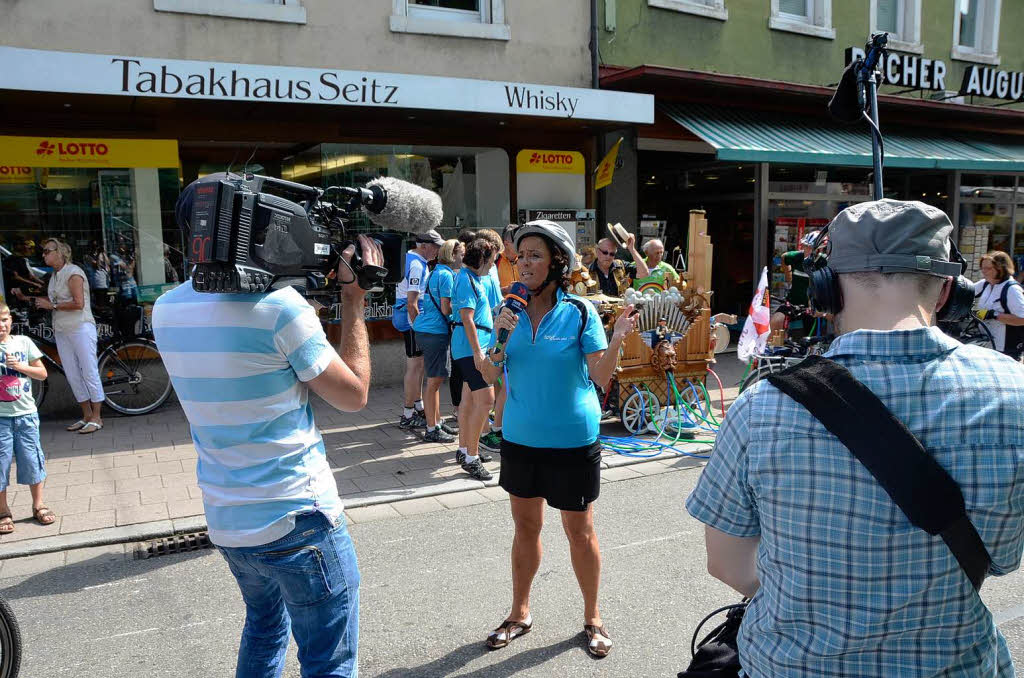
(553, 231)
(809, 238)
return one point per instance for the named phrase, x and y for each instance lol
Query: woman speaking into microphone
(550, 451)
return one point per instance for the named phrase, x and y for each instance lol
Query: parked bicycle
(970, 330)
(10, 641)
(131, 371)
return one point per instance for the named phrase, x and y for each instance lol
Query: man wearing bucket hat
(842, 583)
(407, 306)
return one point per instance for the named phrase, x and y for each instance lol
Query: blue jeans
(19, 440)
(308, 581)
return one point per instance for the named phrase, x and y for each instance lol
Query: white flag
(758, 326)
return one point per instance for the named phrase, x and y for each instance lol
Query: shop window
(127, 214)
(473, 184)
(976, 31)
(713, 9)
(285, 11)
(456, 18)
(987, 222)
(808, 17)
(901, 19)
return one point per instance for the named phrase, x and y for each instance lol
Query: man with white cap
(407, 307)
(842, 582)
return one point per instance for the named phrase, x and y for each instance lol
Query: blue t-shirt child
(471, 291)
(431, 320)
(552, 402)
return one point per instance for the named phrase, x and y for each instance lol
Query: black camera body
(251, 233)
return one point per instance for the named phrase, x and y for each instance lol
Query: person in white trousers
(74, 329)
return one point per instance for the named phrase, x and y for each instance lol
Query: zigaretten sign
(79, 73)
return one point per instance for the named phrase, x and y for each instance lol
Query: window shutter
(797, 7)
(968, 22)
(888, 16)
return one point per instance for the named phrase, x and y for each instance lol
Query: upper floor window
(976, 31)
(287, 11)
(457, 18)
(901, 19)
(713, 9)
(809, 17)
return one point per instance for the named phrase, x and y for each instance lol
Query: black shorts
(411, 349)
(470, 374)
(569, 479)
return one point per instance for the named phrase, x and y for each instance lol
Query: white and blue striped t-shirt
(238, 363)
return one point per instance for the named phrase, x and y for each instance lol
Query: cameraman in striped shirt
(243, 366)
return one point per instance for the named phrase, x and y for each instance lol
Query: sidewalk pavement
(136, 478)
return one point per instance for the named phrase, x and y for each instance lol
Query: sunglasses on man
(605, 252)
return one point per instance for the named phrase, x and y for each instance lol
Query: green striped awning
(771, 137)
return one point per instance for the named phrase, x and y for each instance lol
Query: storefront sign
(48, 71)
(76, 152)
(550, 162)
(989, 82)
(906, 70)
(10, 174)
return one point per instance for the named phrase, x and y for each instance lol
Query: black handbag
(916, 483)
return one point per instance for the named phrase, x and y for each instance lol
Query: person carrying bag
(859, 502)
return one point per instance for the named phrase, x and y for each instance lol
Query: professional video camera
(250, 233)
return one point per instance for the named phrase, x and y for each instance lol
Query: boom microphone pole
(856, 99)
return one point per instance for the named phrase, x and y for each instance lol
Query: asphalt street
(433, 586)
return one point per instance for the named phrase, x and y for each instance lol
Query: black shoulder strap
(984, 286)
(1004, 297)
(434, 300)
(579, 304)
(923, 490)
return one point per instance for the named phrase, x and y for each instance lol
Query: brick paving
(143, 469)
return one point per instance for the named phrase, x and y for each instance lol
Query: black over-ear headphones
(825, 295)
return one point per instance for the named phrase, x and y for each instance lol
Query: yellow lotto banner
(550, 162)
(20, 152)
(606, 169)
(14, 174)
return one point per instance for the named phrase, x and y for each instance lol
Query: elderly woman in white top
(74, 329)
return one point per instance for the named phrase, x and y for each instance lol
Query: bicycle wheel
(10, 642)
(134, 378)
(977, 334)
(39, 389)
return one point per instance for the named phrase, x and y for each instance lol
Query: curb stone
(166, 528)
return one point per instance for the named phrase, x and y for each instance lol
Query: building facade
(742, 131)
(109, 108)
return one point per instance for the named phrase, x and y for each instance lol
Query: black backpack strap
(984, 286)
(437, 305)
(1005, 295)
(579, 304)
(923, 490)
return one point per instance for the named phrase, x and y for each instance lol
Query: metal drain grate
(178, 543)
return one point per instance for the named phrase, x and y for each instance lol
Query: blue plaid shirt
(848, 586)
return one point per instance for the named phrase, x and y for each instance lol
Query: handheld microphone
(515, 301)
(401, 206)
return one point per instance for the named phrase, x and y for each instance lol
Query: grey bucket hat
(430, 237)
(891, 236)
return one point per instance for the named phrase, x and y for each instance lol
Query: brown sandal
(507, 632)
(599, 643)
(42, 513)
(6, 523)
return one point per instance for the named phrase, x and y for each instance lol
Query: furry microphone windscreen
(408, 208)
